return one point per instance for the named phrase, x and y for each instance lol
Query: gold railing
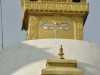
(56, 6)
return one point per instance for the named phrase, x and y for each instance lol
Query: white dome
(29, 57)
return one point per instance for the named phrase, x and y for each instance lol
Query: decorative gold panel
(32, 27)
(35, 31)
(43, 33)
(80, 31)
(78, 28)
(57, 0)
(56, 6)
(23, 1)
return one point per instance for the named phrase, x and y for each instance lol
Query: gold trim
(56, 6)
(74, 30)
(80, 31)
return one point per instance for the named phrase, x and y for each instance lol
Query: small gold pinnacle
(61, 53)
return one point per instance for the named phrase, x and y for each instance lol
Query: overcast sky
(12, 15)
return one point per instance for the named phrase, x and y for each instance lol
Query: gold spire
(61, 53)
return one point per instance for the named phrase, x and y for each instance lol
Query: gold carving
(80, 31)
(75, 30)
(56, 6)
(61, 53)
(32, 29)
(57, 0)
(35, 31)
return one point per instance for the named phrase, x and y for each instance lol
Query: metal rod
(1, 23)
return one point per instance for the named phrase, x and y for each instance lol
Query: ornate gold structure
(61, 53)
(37, 12)
(61, 66)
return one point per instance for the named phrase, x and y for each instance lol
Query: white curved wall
(29, 57)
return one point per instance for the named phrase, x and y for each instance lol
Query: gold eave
(50, 8)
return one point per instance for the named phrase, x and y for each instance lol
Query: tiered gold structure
(61, 66)
(37, 12)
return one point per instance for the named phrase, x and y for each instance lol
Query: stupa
(49, 25)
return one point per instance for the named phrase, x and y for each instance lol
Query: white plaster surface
(29, 57)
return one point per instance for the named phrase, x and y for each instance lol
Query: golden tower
(54, 18)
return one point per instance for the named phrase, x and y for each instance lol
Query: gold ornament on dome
(61, 53)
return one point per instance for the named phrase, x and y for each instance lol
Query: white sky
(12, 15)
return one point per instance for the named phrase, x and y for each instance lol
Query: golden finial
(61, 53)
